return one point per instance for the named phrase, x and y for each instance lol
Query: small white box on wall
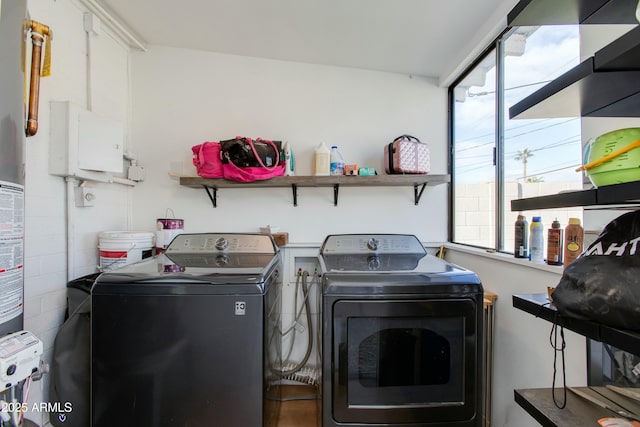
(84, 142)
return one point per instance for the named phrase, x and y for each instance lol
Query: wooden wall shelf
(418, 182)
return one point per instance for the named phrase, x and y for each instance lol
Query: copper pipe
(38, 32)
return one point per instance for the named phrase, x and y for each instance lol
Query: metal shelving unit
(554, 12)
(578, 412)
(539, 306)
(585, 91)
(618, 194)
(605, 85)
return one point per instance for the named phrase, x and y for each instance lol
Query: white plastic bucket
(119, 248)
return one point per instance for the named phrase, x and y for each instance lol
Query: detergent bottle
(336, 162)
(322, 161)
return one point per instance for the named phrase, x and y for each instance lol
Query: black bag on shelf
(603, 284)
(245, 152)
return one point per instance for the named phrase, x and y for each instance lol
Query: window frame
(499, 126)
(500, 231)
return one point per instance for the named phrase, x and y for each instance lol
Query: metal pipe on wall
(38, 33)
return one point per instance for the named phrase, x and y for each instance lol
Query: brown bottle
(573, 241)
(554, 244)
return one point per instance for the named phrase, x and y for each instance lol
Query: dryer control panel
(239, 243)
(368, 243)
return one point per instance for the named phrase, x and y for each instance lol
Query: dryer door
(405, 361)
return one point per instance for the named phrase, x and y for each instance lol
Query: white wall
(182, 98)
(45, 203)
(523, 356)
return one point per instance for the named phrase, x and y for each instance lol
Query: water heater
(12, 138)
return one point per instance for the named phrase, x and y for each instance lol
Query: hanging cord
(553, 339)
(25, 399)
(316, 278)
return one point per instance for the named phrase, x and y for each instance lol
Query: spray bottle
(290, 164)
(573, 241)
(555, 242)
(521, 246)
(536, 234)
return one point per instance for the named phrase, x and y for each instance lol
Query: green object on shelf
(622, 168)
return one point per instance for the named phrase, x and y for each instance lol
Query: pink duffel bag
(207, 158)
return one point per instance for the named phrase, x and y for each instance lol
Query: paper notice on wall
(11, 250)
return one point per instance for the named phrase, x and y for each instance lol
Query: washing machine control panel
(222, 242)
(373, 244)
(367, 243)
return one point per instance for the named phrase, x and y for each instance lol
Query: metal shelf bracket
(418, 194)
(212, 192)
(294, 190)
(336, 187)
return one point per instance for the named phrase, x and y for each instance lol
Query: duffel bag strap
(255, 153)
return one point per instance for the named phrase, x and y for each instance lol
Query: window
(495, 159)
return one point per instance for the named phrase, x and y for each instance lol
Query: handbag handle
(405, 136)
(255, 153)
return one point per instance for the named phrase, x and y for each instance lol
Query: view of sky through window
(539, 155)
(545, 150)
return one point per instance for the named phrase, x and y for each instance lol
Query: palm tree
(534, 179)
(523, 155)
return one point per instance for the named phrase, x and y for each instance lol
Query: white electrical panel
(83, 142)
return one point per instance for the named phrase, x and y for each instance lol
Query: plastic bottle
(573, 241)
(536, 234)
(554, 244)
(337, 162)
(322, 160)
(521, 247)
